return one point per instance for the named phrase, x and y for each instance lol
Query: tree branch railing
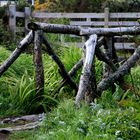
(88, 87)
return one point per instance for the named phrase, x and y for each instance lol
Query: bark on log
(39, 75)
(122, 70)
(111, 54)
(85, 79)
(55, 28)
(83, 31)
(110, 31)
(15, 54)
(71, 73)
(60, 64)
(103, 57)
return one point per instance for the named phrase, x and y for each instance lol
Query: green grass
(95, 122)
(18, 86)
(112, 117)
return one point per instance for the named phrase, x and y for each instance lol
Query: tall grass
(18, 88)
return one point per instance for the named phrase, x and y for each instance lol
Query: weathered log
(55, 28)
(85, 79)
(122, 70)
(71, 73)
(83, 31)
(23, 119)
(39, 75)
(110, 31)
(28, 126)
(22, 123)
(103, 57)
(111, 54)
(64, 73)
(15, 54)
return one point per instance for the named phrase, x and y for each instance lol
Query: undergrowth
(94, 122)
(18, 87)
(113, 116)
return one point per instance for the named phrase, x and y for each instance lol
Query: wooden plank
(124, 46)
(118, 46)
(84, 15)
(106, 18)
(125, 15)
(67, 15)
(12, 20)
(20, 14)
(102, 23)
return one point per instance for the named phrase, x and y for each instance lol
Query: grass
(95, 122)
(113, 116)
(18, 87)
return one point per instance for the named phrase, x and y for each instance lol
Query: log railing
(88, 89)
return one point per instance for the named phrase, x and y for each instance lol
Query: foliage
(95, 5)
(43, 6)
(69, 56)
(17, 84)
(123, 5)
(88, 123)
(5, 35)
(2, 11)
(21, 4)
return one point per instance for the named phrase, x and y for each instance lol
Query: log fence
(87, 88)
(99, 29)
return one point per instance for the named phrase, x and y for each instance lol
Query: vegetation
(18, 82)
(100, 121)
(114, 116)
(94, 5)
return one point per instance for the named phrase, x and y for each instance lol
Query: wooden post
(108, 50)
(106, 19)
(12, 20)
(86, 88)
(27, 14)
(111, 54)
(38, 63)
